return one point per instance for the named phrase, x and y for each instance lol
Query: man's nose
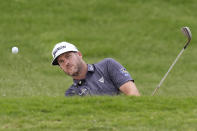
(66, 62)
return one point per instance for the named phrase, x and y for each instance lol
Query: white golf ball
(14, 50)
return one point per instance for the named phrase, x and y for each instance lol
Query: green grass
(144, 36)
(98, 113)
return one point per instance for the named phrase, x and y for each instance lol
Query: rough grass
(144, 36)
(98, 113)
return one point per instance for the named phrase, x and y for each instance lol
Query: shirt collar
(90, 68)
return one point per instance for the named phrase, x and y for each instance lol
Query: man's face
(70, 63)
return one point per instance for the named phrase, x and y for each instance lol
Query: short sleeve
(118, 74)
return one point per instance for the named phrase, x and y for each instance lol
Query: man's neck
(83, 72)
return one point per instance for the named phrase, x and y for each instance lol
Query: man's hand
(129, 89)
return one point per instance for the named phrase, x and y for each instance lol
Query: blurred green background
(143, 35)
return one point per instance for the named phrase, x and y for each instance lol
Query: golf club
(186, 31)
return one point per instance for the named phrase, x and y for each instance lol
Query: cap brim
(54, 62)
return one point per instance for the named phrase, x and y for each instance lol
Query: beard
(75, 70)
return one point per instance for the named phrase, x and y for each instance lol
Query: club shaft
(162, 80)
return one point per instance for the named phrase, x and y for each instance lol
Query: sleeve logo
(124, 71)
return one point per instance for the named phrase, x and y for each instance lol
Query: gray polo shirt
(103, 78)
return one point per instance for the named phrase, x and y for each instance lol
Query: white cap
(61, 48)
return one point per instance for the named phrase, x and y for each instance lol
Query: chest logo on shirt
(83, 92)
(101, 80)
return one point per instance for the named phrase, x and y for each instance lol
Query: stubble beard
(77, 70)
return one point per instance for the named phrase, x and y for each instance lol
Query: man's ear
(79, 53)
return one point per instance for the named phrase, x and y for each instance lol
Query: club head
(186, 31)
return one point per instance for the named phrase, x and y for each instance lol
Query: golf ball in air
(14, 50)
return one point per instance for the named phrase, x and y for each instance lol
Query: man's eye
(61, 61)
(67, 56)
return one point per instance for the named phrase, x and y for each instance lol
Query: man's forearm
(130, 89)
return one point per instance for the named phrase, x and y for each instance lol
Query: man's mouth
(69, 66)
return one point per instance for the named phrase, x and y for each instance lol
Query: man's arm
(121, 78)
(129, 89)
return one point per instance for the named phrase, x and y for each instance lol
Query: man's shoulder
(105, 64)
(105, 61)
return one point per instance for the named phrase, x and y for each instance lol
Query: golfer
(106, 77)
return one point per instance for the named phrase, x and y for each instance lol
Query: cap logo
(57, 49)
